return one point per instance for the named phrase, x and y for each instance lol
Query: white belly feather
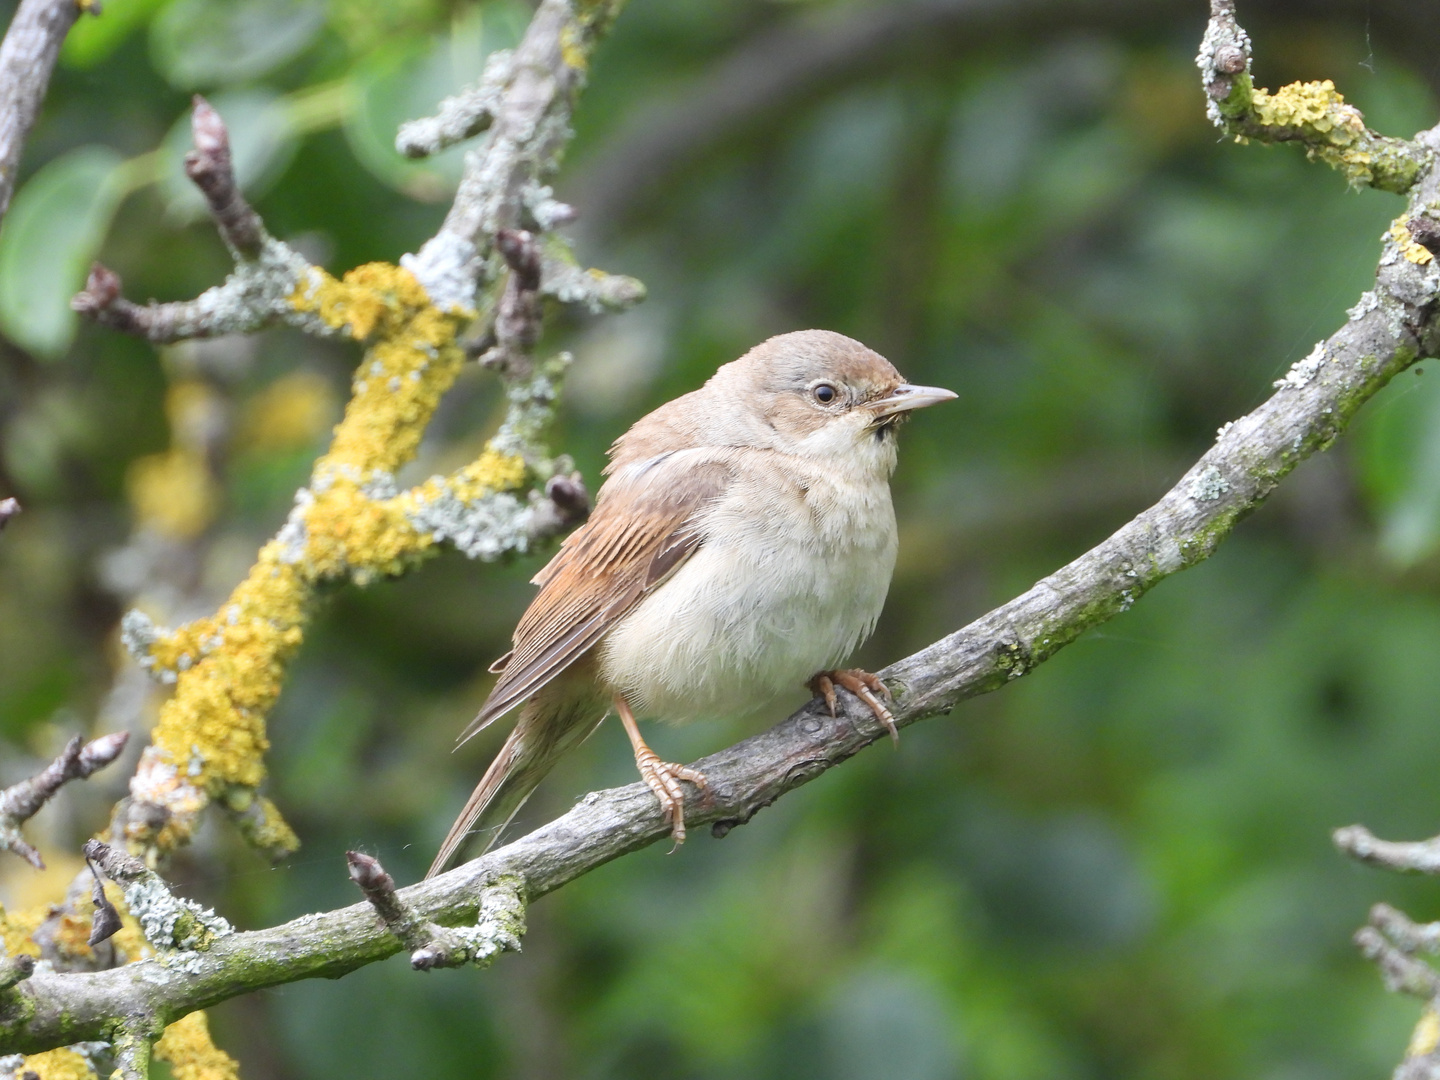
(767, 600)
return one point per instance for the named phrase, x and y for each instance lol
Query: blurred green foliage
(1117, 868)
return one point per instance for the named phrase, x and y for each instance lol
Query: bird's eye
(824, 393)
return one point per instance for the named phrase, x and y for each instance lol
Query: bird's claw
(663, 778)
(867, 687)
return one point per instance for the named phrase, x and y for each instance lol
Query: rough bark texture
(27, 57)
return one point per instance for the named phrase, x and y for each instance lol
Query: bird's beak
(906, 397)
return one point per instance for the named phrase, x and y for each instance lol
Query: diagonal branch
(27, 57)
(1387, 331)
(20, 802)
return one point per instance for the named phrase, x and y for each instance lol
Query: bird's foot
(865, 686)
(664, 778)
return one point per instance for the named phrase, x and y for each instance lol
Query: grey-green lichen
(170, 922)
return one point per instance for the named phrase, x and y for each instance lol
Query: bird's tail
(551, 723)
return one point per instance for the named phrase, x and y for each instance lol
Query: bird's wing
(642, 530)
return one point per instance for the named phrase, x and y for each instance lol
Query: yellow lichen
(490, 472)
(173, 492)
(1316, 105)
(348, 532)
(1408, 245)
(17, 927)
(62, 1064)
(572, 48)
(229, 670)
(1426, 1035)
(412, 362)
(267, 830)
(290, 413)
(187, 1048)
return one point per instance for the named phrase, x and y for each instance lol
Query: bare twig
(20, 802)
(461, 117)
(498, 928)
(260, 291)
(1421, 856)
(210, 167)
(1403, 973)
(27, 58)
(518, 321)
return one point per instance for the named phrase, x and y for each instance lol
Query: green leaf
(92, 39)
(262, 144)
(51, 235)
(406, 79)
(198, 43)
(1399, 455)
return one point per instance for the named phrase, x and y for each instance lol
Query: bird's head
(826, 394)
(812, 393)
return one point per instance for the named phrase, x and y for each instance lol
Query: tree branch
(27, 57)
(1312, 114)
(20, 802)
(269, 275)
(1387, 331)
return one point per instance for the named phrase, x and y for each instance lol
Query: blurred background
(1117, 868)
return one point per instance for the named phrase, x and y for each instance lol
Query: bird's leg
(663, 776)
(864, 686)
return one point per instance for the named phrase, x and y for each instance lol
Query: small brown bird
(743, 542)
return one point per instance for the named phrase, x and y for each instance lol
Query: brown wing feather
(638, 535)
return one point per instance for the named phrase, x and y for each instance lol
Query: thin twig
(1419, 856)
(20, 802)
(256, 295)
(210, 168)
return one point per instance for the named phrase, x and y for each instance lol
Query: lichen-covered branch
(527, 99)
(1394, 942)
(462, 116)
(20, 802)
(1313, 114)
(1387, 330)
(27, 58)
(1419, 856)
(351, 522)
(497, 929)
(260, 292)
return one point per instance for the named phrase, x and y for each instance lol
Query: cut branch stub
(498, 927)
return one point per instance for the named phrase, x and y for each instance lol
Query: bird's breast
(790, 576)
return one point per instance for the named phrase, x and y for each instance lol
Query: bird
(741, 545)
